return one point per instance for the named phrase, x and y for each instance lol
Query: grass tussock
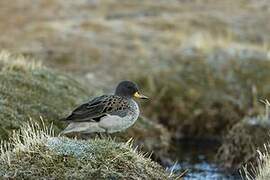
(34, 153)
(240, 143)
(243, 139)
(263, 169)
(260, 168)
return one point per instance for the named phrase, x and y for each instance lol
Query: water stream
(197, 156)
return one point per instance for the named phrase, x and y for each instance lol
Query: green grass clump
(29, 90)
(35, 154)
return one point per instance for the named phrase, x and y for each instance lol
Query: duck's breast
(122, 120)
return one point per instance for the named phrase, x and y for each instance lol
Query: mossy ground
(38, 155)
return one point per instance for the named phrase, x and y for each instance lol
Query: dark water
(197, 156)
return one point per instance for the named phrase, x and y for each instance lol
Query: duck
(107, 113)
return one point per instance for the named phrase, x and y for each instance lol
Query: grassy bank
(34, 153)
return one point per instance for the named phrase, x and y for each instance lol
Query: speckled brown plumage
(99, 107)
(107, 113)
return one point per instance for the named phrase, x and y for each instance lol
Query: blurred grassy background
(89, 36)
(204, 63)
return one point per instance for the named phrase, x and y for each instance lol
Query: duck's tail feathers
(82, 127)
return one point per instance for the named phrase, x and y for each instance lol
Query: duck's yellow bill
(138, 95)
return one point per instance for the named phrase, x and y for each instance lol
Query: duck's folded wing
(88, 111)
(95, 109)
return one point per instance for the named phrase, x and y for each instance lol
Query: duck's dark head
(128, 89)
